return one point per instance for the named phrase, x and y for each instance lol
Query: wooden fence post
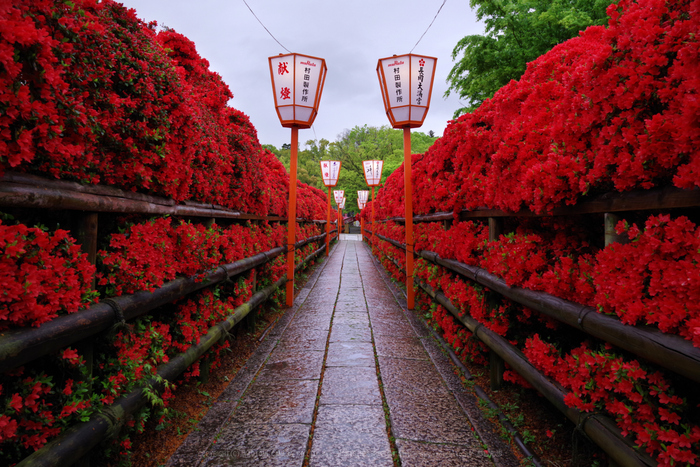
(611, 235)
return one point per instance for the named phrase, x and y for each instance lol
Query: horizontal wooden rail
(29, 191)
(78, 440)
(666, 350)
(600, 429)
(639, 200)
(20, 346)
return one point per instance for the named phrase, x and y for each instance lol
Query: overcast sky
(350, 35)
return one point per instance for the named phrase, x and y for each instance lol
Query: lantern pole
(328, 223)
(292, 216)
(362, 226)
(410, 293)
(373, 227)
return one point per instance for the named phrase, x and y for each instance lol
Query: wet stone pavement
(348, 335)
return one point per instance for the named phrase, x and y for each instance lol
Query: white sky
(350, 35)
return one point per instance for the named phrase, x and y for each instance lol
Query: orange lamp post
(330, 171)
(362, 196)
(406, 82)
(341, 219)
(373, 177)
(297, 84)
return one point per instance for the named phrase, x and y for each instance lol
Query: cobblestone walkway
(346, 376)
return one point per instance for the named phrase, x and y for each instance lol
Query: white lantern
(330, 171)
(406, 82)
(341, 206)
(362, 196)
(297, 83)
(373, 172)
(339, 195)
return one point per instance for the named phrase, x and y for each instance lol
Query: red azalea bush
(641, 400)
(654, 279)
(151, 253)
(42, 275)
(153, 117)
(616, 108)
(90, 93)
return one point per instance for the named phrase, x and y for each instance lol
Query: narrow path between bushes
(347, 377)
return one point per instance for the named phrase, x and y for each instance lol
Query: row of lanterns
(406, 84)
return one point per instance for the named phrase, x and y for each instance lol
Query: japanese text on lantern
(397, 84)
(305, 84)
(421, 76)
(285, 93)
(282, 68)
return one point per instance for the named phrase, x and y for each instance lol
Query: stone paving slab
(275, 445)
(350, 353)
(287, 401)
(346, 335)
(418, 454)
(350, 385)
(351, 435)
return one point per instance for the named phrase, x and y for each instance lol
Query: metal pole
(292, 219)
(410, 293)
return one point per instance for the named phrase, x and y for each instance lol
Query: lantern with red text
(330, 171)
(297, 84)
(406, 82)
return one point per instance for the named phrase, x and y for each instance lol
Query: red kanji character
(285, 93)
(282, 68)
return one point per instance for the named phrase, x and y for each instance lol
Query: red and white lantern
(362, 197)
(330, 171)
(373, 172)
(406, 82)
(297, 84)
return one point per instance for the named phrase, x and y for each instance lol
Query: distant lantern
(362, 197)
(297, 84)
(339, 195)
(330, 171)
(406, 82)
(373, 172)
(341, 206)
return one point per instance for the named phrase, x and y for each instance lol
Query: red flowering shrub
(42, 275)
(149, 254)
(641, 400)
(654, 279)
(153, 117)
(616, 108)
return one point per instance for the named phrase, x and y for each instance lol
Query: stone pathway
(346, 376)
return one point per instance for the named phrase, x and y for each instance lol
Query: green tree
(351, 148)
(370, 143)
(517, 32)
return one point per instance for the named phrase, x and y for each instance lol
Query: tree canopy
(517, 32)
(351, 148)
